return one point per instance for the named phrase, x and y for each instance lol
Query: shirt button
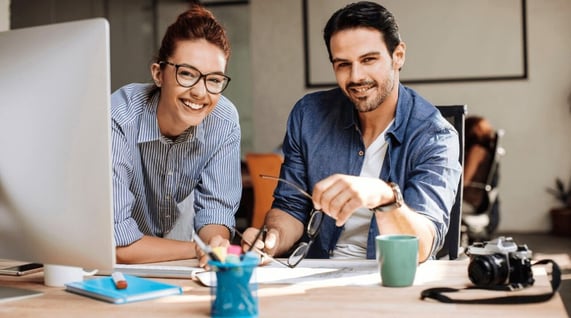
(168, 197)
(361, 153)
(169, 173)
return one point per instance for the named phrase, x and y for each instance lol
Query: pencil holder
(235, 291)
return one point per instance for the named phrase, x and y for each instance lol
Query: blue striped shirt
(152, 174)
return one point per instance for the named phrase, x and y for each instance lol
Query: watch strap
(393, 205)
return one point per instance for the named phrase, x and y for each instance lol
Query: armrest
(479, 185)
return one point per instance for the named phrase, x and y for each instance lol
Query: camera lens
(488, 270)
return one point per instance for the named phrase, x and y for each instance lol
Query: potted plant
(561, 215)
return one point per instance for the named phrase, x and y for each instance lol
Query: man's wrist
(397, 203)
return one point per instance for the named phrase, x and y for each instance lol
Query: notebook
(138, 289)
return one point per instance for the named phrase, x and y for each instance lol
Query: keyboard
(158, 271)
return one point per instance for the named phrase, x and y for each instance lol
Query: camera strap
(437, 293)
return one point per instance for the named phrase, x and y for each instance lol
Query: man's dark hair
(364, 14)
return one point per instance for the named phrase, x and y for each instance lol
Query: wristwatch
(393, 205)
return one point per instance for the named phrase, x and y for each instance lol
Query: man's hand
(340, 195)
(265, 241)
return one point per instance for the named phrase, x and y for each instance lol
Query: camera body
(500, 263)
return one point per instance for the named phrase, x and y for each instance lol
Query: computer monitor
(55, 145)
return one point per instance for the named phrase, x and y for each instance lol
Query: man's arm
(341, 195)
(283, 232)
(406, 221)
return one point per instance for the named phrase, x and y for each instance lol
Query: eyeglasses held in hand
(312, 229)
(188, 76)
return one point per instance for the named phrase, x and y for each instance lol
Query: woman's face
(181, 107)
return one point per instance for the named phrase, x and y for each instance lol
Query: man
(377, 157)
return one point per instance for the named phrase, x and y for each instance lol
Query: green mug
(397, 255)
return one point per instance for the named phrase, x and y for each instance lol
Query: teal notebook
(138, 289)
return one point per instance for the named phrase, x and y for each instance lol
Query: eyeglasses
(312, 229)
(188, 76)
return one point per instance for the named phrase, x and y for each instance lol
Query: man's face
(364, 69)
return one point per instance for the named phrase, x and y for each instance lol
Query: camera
(500, 263)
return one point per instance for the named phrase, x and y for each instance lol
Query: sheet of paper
(325, 272)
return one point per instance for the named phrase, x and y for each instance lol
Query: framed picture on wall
(446, 41)
(222, 2)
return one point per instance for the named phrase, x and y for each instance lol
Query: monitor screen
(55, 145)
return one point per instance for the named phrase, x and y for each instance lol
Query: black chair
(481, 224)
(456, 115)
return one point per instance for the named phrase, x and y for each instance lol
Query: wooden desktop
(287, 300)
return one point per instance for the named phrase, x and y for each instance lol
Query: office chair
(455, 114)
(268, 164)
(480, 225)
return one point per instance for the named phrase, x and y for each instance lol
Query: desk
(292, 300)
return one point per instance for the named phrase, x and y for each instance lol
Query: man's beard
(371, 102)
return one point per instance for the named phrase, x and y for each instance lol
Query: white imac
(55, 145)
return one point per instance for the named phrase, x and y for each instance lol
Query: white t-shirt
(353, 240)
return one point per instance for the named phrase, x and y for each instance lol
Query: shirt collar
(397, 130)
(149, 128)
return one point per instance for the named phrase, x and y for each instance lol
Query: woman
(176, 147)
(477, 161)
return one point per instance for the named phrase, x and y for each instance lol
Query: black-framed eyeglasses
(312, 228)
(187, 76)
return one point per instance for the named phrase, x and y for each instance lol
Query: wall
(4, 15)
(130, 24)
(534, 112)
(136, 29)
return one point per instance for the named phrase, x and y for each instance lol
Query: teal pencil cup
(235, 293)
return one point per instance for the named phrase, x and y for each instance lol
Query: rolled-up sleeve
(219, 191)
(433, 183)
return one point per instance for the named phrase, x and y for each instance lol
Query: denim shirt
(323, 137)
